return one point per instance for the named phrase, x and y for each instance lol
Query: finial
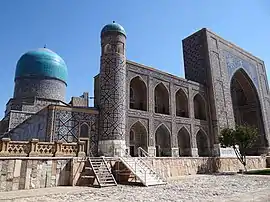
(113, 21)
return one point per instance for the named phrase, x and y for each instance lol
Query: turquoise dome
(113, 27)
(41, 63)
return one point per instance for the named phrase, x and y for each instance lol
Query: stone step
(87, 176)
(101, 171)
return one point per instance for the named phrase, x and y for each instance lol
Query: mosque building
(139, 106)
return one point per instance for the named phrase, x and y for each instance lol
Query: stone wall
(174, 167)
(31, 173)
(18, 173)
(33, 164)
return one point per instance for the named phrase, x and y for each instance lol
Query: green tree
(243, 136)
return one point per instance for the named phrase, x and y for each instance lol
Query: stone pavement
(221, 188)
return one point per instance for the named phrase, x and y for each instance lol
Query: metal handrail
(152, 169)
(143, 152)
(146, 154)
(142, 170)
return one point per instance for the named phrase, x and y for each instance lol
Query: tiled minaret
(112, 91)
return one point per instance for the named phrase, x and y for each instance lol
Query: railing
(142, 152)
(45, 149)
(142, 170)
(135, 170)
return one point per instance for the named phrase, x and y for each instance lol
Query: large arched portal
(246, 107)
(138, 94)
(161, 99)
(163, 141)
(137, 138)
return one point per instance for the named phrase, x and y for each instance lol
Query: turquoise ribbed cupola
(113, 27)
(41, 63)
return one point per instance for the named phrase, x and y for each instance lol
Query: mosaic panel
(112, 98)
(67, 125)
(234, 63)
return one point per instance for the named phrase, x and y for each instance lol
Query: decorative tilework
(234, 63)
(67, 125)
(113, 98)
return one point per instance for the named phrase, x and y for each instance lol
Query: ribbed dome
(41, 63)
(113, 27)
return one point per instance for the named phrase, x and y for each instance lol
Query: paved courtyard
(188, 188)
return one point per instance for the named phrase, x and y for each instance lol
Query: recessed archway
(202, 144)
(184, 142)
(138, 94)
(161, 99)
(163, 141)
(246, 107)
(181, 103)
(199, 107)
(138, 138)
(84, 130)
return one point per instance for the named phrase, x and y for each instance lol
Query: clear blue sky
(154, 29)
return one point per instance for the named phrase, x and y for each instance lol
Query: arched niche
(181, 104)
(199, 107)
(138, 94)
(247, 108)
(163, 141)
(137, 138)
(161, 99)
(107, 48)
(84, 130)
(184, 145)
(202, 144)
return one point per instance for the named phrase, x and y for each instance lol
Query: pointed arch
(199, 107)
(139, 133)
(84, 130)
(184, 145)
(246, 107)
(163, 141)
(161, 99)
(181, 101)
(138, 94)
(202, 143)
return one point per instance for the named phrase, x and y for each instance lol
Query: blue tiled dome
(41, 63)
(113, 27)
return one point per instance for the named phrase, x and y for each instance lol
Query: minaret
(112, 125)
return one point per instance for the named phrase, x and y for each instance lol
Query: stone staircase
(142, 171)
(102, 172)
(87, 176)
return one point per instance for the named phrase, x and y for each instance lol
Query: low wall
(32, 173)
(38, 172)
(175, 167)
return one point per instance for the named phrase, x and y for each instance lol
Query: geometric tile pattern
(234, 63)
(113, 97)
(194, 58)
(40, 87)
(67, 125)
